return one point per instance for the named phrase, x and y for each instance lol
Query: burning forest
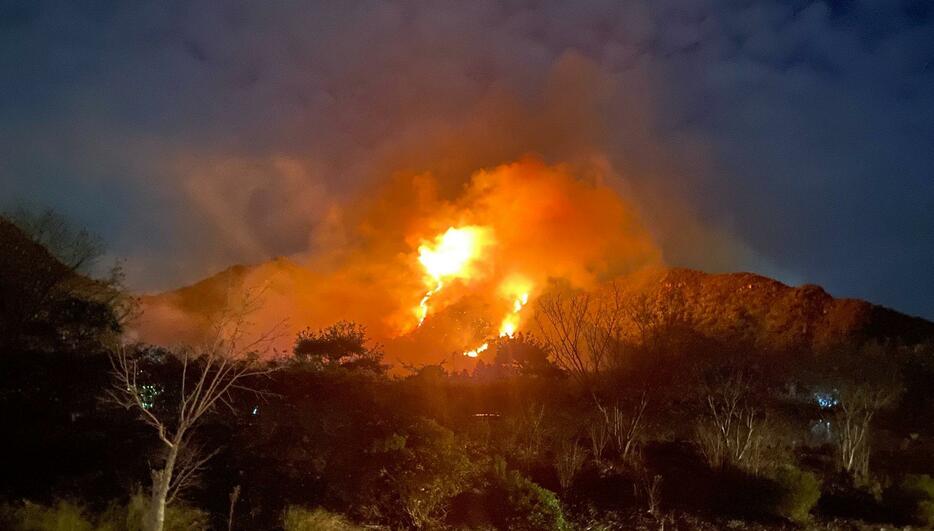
(467, 266)
(428, 274)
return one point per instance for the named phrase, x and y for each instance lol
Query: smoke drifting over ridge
(195, 136)
(542, 223)
(261, 206)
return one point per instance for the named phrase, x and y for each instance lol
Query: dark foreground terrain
(704, 402)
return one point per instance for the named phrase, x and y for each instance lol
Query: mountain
(740, 308)
(183, 315)
(47, 305)
(768, 313)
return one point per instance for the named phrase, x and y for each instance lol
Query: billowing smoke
(193, 136)
(541, 222)
(541, 169)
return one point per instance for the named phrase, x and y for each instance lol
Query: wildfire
(476, 352)
(511, 321)
(451, 256)
(518, 288)
(515, 288)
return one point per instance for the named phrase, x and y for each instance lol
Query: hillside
(746, 306)
(46, 304)
(739, 308)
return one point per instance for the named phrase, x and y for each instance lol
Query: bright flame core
(520, 287)
(515, 288)
(511, 321)
(453, 251)
(476, 352)
(450, 257)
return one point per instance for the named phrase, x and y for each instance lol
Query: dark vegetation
(583, 425)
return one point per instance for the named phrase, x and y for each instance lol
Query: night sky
(789, 138)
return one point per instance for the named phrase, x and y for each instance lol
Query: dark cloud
(791, 138)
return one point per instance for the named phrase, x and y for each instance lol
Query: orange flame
(511, 321)
(476, 352)
(451, 256)
(518, 288)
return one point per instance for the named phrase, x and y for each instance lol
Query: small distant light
(255, 410)
(825, 400)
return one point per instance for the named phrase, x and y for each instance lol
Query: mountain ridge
(738, 307)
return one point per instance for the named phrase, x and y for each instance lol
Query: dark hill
(46, 305)
(773, 315)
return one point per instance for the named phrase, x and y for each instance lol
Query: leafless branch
(210, 373)
(188, 468)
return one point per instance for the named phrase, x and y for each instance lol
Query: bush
(503, 499)
(407, 476)
(63, 516)
(796, 493)
(912, 500)
(787, 493)
(529, 506)
(535, 507)
(606, 489)
(844, 498)
(178, 517)
(297, 518)
(70, 516)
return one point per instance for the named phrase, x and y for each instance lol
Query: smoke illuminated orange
(469, 263)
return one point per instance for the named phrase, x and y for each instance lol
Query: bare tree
(599, 437)
(562, 318)
(625, 426)
(605, 331)
(234, 497)
(731, 431)
(864, 380)
(568, 464)
(652, 487)
(532, 428)
(583, 331)
(77, 249)
(857, 405)
(644, 317)
(209, 374)
(655, 314)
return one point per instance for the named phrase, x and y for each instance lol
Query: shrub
(297, 518)
(568, 464)
(788, 493)
(63, 516)
(844, 498)
(408, 476)
(912, 499)
(503, 499)
(529, 506)
(605, 489)
(70, 516)
(129, 517)
(796, 493)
